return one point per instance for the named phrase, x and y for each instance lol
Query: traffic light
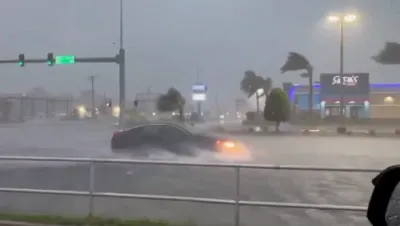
(21, 60)
(136, 103)
(50, 59)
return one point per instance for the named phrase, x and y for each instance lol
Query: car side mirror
(384, 205)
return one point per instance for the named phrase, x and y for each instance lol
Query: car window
(151, 130)
(195, 129)
(173, 133)
(136, 131)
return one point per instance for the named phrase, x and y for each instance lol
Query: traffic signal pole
(122, 101)
(119, 59)
(26, 61)
(77, 60)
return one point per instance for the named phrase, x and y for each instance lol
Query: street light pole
(258, 103)
(91, 79)
(341, 70)
(199, 110)
(342, 19)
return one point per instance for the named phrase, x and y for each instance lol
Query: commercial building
(361, 99)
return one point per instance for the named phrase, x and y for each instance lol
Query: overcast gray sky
(165, 38)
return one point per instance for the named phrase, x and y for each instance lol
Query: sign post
(199, 95)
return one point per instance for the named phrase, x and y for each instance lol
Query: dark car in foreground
(178, 139)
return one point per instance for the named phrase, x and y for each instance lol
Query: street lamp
(259, 92)
(342, 19)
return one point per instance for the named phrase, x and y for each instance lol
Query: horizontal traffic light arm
(77, 60)
(96, 60)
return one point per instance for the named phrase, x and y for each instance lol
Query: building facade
(361, 99)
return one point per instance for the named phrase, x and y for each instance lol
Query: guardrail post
(91, 187)
(237, 198)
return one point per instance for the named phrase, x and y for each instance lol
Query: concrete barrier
(16, 223)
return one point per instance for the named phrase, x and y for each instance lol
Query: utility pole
(217, 103)
(91, 79)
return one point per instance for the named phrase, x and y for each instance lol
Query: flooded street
(92, 140)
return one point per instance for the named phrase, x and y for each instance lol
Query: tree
(390, 54)
(171, 101)
(277, 107)
(252, 82)
(296, 62)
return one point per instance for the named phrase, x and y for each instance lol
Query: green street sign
(65, 59)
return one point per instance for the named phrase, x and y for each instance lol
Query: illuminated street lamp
(259, 92)
(342, 19)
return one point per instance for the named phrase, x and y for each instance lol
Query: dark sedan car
(181, 140)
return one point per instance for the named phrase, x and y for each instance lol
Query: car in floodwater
(175, 138)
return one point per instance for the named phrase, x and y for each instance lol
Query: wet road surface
(92, 140)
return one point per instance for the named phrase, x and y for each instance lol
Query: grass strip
(86, 221)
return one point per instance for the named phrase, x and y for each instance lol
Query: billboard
(199, 92)
(199, 88)
(199, 96)
(353, 84)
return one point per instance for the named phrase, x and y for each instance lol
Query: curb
(314, 132)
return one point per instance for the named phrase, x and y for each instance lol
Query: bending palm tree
(296, 62)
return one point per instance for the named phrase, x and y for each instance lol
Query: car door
(172, 135)
(151, 135)
(134, 137)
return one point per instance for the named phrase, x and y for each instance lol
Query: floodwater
(92, 140)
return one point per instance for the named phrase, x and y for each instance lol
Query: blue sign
(199, 88)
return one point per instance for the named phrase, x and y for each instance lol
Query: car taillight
(226, 144)
(117, 133)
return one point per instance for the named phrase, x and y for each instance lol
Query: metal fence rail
(236, 202)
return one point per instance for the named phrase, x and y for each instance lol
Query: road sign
(65, 59)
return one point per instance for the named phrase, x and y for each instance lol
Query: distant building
(85, 98)
(241, 105)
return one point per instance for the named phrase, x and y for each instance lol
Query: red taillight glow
(229, 144)
(226, 144)
(235, 149)
(117, 133)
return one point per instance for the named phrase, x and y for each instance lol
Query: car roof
(186, 127)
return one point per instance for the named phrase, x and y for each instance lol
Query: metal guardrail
(236, 202)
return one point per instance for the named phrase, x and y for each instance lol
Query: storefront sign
(347, 80)
(353, 84)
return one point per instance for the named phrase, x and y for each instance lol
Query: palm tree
(296, 62)
(390, 54)
(252, 83)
